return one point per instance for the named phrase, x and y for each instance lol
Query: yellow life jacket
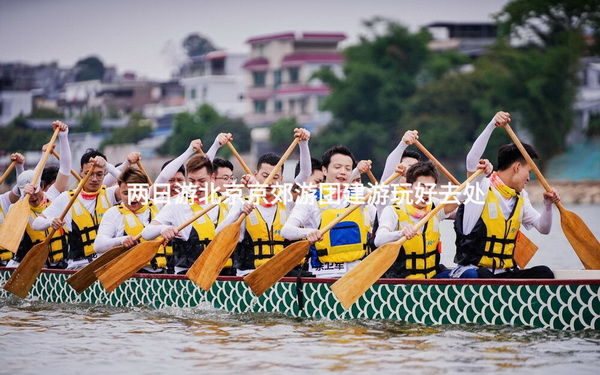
(347, 240)
(206, 229)
(419, 256)
(501, 235)
(58, 244)
(262, 243)
(492, 241)
(85, 225)
(133, 227)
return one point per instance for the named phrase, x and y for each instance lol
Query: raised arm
(220, 140)
(481, 142)
(64, 171)
(395, 157)
(170, 169)
(305, 164)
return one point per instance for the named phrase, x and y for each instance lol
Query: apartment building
(279, 77)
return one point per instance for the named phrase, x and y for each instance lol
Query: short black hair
(411, 154)
(221, 163)
(181, 168)
(339, 149)
(421, 168)
(268, 158)
(315, 165)
(509, 153)
(49, 175)
(91, 153)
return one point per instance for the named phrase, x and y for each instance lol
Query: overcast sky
(145, 36)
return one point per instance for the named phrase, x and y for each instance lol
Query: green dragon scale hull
(556, 304)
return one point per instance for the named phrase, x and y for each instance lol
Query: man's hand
(487, 167)
(502, 118)
(410, 137)
(134, 157)
(248, 179)
(169, 233)
(551, 197)
(223, 138)
(248, 207)
(302, 133)
(364, 166)
(314, 236)
(196, 145)
(30, 189)
(409, 232)
(129, 241)
(57, 223)
(20, 159)
(60, 125)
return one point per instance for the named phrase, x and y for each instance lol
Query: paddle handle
(141, 167)
(239, 158)
(530, 161)
(73, 198)
(282, 160)
(7, 172)
(439, 165)
(371, 177)
(197, 216)
(73, 173)
(437, 209)
(351, 209)
(38, 171)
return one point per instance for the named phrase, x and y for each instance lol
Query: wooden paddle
(358, 280)
(524, 248)
(371, 177)
(11, 231)
(73, 173)
(7, 171)
(582, 239)
(209, 264)
(122, 268)
(30, 267)
(139, 164)
(283, 262)
(85, 277)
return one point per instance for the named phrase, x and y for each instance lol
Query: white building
(13, 104)
(221, 84)
(279, 73)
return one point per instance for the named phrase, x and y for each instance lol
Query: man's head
(338, 163)
(422, 176)
(265, 165)
(316, 176)
(512, 166)
(95, 181)
(177, 179)
(25, 178)
(132, 176)
(222, 173)
(408, 158)
(199, 170)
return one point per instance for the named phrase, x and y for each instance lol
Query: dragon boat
(570, 302)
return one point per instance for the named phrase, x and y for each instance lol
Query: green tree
(90, 121)
(367, 102)
(281, 133)
(197, 45)
(137, 129)
(46, 113)
(204, 124)
(89, 68)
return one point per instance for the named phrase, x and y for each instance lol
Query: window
(294, 74)
(193, 93)
(276, 78)
(260, 106)
(259, 78)
(261, 50)
(278, 106)
(303, 105)
(291, 106)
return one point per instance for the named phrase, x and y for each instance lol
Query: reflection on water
(38, 337)
(100, 339)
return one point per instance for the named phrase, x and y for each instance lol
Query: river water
(38, 337)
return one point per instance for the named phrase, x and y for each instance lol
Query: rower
(84, 217)
(121, 223)
(340, 249)
(8, 198)
(191, 241)
(486, 234)
(260, 233)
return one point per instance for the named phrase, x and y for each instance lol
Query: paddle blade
(581, 238)
(275, 268)
(13, 227)
(85, 277)
(524, 250)
(24, 276)
(209, 264)
(122, 268)
(358, 280)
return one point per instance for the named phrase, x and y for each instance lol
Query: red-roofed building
(279, 72)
